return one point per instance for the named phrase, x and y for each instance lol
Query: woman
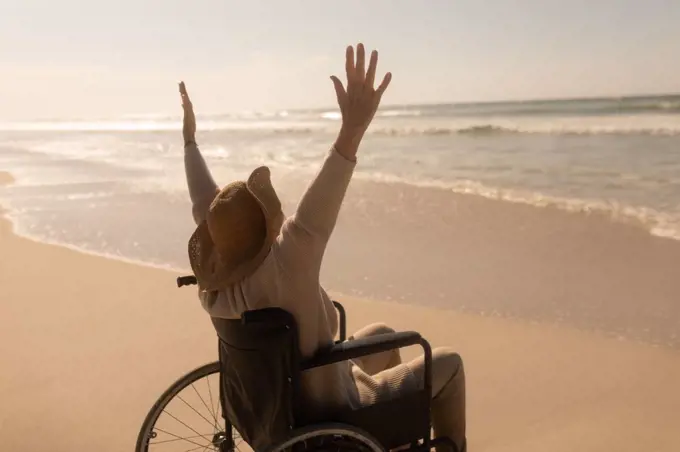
(246, 256)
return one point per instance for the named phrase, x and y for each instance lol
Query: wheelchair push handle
(186, 281)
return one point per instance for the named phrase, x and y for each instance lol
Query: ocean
(116, 187)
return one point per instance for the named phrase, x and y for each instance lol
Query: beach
(515, 199)
(541, 240)
(89, 343)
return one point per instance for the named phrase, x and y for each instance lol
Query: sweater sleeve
(202, 186)
(304, 235)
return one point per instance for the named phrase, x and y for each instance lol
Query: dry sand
(88, 344)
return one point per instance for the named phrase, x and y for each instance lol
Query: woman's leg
(448, 394)
(372, 364)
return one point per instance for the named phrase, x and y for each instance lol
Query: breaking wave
(379, 128)
(657, 223)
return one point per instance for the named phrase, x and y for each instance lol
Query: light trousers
(448, 383)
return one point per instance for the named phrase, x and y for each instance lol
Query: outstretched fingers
(372, 65)
(186, 102)
(361, 64)
(384, 84)
(349, 63)
(339, 90)
(189, 120)
(359, 92)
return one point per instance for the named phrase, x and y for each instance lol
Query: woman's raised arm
(305, 235)
(202, 186)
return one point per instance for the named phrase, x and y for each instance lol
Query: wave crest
(657, 223)
(493, 129)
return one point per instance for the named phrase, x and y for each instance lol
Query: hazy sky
(83, 58)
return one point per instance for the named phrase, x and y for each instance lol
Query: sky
(103, 58)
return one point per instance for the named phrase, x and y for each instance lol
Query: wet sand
(397, 242)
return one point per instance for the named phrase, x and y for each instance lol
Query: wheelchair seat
(260, 383)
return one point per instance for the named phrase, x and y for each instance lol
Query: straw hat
(242, 222)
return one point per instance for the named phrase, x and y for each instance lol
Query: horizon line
(383, 107)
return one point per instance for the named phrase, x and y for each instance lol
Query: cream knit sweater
(289, 278)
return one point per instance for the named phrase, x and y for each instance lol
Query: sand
(89, 343)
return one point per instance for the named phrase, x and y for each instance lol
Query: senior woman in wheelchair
(247, 256)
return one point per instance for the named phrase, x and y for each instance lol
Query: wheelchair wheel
(329, 437)
(188, 417)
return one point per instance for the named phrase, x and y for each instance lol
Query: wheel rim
(329, 437)
(187, 417)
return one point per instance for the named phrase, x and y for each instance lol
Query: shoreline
(496, 242)
(388, 301)
(6, 178)
(7, 223)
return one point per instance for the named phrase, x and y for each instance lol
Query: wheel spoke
(177, 438)
(196, 448)
(196, 411)
(199, 396)
(187, 439)
(214, 413)
(184, 424)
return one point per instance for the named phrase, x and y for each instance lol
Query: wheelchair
(249, 398)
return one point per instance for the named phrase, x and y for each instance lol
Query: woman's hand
(189, 124)
(359, 102)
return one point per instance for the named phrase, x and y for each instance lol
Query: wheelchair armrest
(356, 348)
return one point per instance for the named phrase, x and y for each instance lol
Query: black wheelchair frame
(401, 421)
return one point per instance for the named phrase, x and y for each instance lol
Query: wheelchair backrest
(259, 379)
